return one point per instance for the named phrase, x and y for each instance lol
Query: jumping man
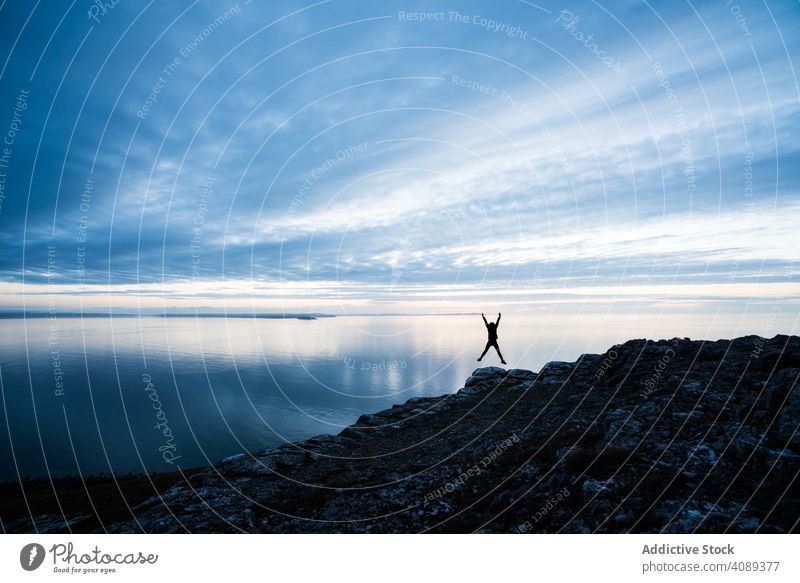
(491, 328)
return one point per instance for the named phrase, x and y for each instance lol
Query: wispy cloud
(359, 159)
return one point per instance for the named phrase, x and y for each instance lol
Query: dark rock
(672, 436)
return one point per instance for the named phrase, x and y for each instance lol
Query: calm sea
(98, 395)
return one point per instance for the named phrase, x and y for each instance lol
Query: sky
(384, 157)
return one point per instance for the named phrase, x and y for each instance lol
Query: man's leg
(488, 344)
(497, 348)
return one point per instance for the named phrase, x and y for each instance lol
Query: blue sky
(364, 157)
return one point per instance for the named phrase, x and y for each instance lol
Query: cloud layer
(338, 155)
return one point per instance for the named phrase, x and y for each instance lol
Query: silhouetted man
(491, 328)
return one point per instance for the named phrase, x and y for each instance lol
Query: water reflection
(229, 385)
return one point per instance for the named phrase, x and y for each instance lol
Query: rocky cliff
(667, 436)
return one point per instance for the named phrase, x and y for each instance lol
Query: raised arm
(498, 319)
(484, 320)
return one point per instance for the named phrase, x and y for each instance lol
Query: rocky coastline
(674, 436)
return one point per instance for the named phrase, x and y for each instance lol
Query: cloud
(368, 158)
